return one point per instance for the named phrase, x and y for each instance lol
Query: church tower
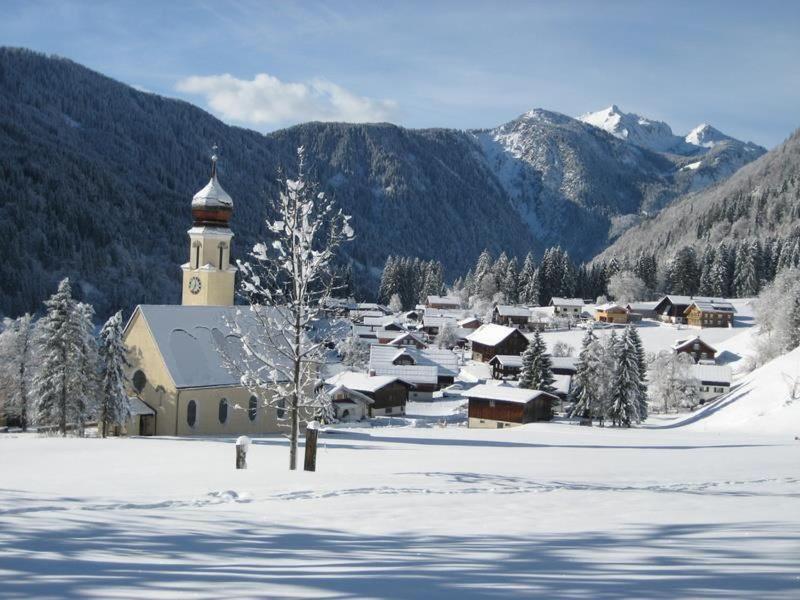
(208, 277)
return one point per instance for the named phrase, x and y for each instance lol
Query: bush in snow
(672, 386)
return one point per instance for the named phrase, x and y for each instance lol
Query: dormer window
(403, 359)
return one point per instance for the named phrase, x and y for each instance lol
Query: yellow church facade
(178, 383)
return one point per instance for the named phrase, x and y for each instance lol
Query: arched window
(139, 380)
(281, 408)
(191, 413)
(223, 410)
(252, 409)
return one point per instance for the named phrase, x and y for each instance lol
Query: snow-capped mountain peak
(706, 136)
(654, 135)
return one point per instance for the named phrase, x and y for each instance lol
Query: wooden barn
(504, 314)
(498, 406)
(611, 313)
(696, 348)
(506, 366)
(490, 340)
(389, 394)
(714, 313)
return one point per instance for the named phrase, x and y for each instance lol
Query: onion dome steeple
(212, 206)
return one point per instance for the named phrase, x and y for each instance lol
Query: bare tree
(279, 344)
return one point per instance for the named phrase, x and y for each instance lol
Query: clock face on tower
(195, 285)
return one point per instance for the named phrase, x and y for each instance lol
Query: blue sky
(460, 64)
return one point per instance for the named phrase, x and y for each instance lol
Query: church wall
(238, 420)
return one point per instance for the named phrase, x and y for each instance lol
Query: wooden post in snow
(242, 443)
(312, 433)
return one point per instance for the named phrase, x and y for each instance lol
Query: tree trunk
(296, 395)
(62, 424)
(311, 449)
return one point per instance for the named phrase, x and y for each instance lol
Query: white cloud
(266, 100)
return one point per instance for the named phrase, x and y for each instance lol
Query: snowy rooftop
(689, 341)
(507, 310)
(503, 393)
(445, 300)
(708, 374)
(714, 306)
(609, 306)
(490, 334)
(507, 360)
(212, 196)
(567, 302)
(382, 358)
(361, 382)
(189, 339)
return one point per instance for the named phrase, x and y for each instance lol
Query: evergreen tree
(745, 278)
(84, 382)
(390, 280)
(114, 407)
(526, 281)
(585, 386)
(510, 284)
(707, 279)
(60, 350)
(17, 366)
(626, 388)
(641, 364)
(537, 368)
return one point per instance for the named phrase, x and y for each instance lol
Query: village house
(713, 313)
(469, 323)
(567, 307)
(714, 380)
(432, 324)
(641, 310)
(506, 366)
(407, 338)
(699, 350)
(348, 405)
(499, 406)
(429, 369)
(611, 312)
(673, 309)
(446, 302)
(490, 340)
(504, 314)
(389, 394)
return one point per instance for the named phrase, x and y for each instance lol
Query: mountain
(761, 199)
(96, 179)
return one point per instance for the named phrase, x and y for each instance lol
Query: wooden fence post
(312, 433)
(242, 443)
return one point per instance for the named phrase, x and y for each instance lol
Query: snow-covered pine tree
(707, 284)
(285, 283)
(16, 364)
(584, 389)
(60, 347)
(510, 283)
(114, 405)
(625, 393)
(745, 276)
(395, 304)
(537, 368)
(641, 363)
(84, 381)
(523, 280)
(390, 284)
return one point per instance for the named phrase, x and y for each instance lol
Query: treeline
(410, 280)
(501, 280)
(56, 374)
(736, 269)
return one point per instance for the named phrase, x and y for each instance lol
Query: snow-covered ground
(661, 336)
(550, 510)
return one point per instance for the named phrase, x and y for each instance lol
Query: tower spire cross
(214, 158)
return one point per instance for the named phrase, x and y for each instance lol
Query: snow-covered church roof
(212, 196)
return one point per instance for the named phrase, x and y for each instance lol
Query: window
(191, 413)
(389, 410)
(139, 381)
(223, 411)
(281, 408)
(252, 408)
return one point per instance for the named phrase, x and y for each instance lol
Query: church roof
(189, 339)
(212, 196)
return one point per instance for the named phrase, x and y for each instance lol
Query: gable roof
(710, 374)
(332, 390)
(504, 393)
(362, 382)
(507, 360)
(189, 339)
(446, 300)
(610, 306)
(681, 344)
(556, 301)
(712, 306)
(491, 334)
(443, 362)
(508, 310)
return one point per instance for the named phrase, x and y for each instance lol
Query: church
(178, 384)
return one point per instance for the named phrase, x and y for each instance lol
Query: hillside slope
(96, 179)
(762, 198)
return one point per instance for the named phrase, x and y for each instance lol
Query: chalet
(564, 365)
(673, 309)
(567, 307)
(389, 394)
(407, 339)
(714, 313)
(504, 314)
(451, 302)
(490, 340)
(433, 323)
(611, 312)
(499, 406)
(337, 307)
(714, 380)
(469, 323)
(429, 369)
(383, 321)
(348, 405)
(699, 350)
(640, 310)
(505, 366)
(373, 307)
